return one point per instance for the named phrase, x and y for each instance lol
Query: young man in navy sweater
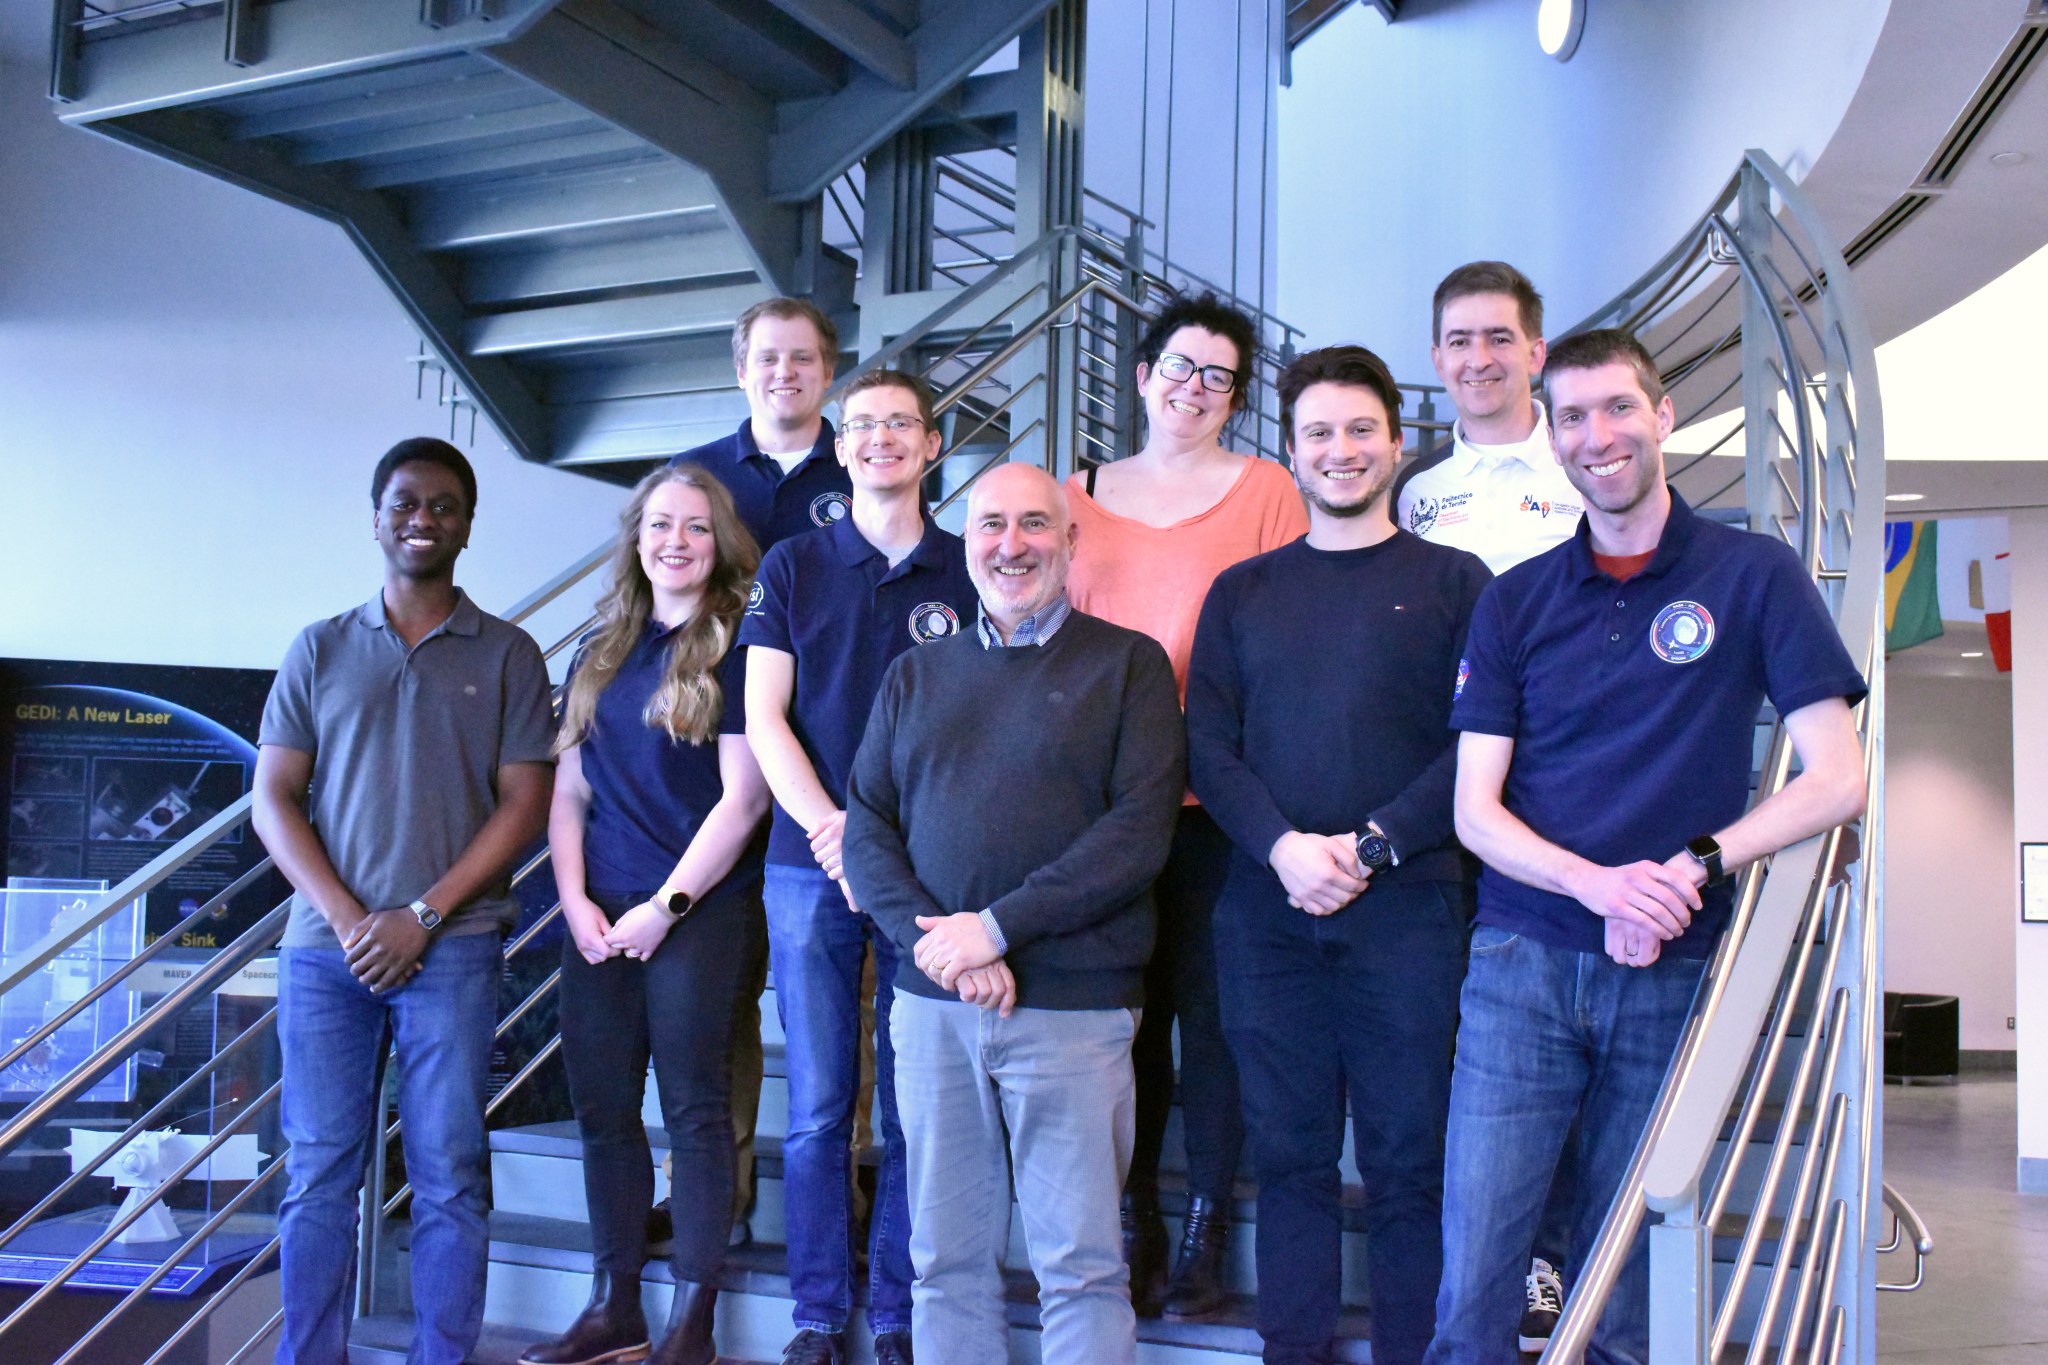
(829, 613)
(1608, 702)
(1341, 926)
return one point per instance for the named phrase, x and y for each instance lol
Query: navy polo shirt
(650, 793)
(838, 607)
(1633, 705)
(776, 506)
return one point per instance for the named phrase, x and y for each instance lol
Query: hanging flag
(1912, 606)
(1998, 609)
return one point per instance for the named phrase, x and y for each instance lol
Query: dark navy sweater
(1319, 698)
(1040, 782)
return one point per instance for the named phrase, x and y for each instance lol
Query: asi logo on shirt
(827, 508)
(754, 596)
(1422, 516)
(933, 621)
(1682, 632)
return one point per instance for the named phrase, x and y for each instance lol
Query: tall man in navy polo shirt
(404, 766)
(1341, 925)
(784, 477)
(829, 613)
(1607, 702)
(780, 466)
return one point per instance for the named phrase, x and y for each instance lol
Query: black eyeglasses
(1215, 378)
(865, 426)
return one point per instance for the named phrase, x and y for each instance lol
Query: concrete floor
(1950, 1150)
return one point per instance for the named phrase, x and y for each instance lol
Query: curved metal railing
(1766, 1137)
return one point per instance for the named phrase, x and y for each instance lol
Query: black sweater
(1319, 698)
(1039, 782)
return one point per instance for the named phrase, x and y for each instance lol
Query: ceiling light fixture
(1558, 26)
(1905, 497)
(1973, 654)
(2008, 158)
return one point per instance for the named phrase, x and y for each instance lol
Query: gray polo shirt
(406, 747)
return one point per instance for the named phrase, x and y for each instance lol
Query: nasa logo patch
(931, 621)
(827, 508)
(1682, 632)
(1422, 516)
(1464, 672)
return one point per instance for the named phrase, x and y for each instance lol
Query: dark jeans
(1364, 1001)
(1545, 1035)
(678, 1006)
(1180, 983)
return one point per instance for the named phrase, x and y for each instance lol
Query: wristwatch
(427, 915)
(1706, 851)
(1374, 852)
(677, 903)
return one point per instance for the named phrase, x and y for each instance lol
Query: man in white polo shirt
(1495, 488)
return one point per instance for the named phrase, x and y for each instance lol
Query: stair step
(587, 266)
(517, 116)
(533, 207)
(566, 150)
(384, 1340)
(666, 314)
(417, 92)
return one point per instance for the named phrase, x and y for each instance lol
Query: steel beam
(190, 139)
(608, 60)
(180, 64)
(859, 35)
(953, 39)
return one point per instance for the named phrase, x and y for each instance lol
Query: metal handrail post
(1681, 1286)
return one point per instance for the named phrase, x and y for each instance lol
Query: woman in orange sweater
(1155, 530)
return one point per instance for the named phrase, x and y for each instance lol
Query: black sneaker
(811, 1347)
(661, 1229)
(893, 1348)
(1545, 1303)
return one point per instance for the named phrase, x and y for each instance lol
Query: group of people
(1408, 785)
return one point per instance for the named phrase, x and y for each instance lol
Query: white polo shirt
(1504, 503)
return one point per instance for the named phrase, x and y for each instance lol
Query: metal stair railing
(1755, 304)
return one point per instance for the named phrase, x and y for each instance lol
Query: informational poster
(105, 766)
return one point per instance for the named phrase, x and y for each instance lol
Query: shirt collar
(854, 548)
(1533, 450)
(466, 619)
(1678, 529)
(822, 447)
(1034, 629)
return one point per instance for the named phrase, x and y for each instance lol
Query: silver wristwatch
(427, 915)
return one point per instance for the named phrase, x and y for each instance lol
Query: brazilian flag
(1912, 607)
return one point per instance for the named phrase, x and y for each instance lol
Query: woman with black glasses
(657, 806)
(1155, 530)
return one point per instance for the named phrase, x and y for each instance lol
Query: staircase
(574, 200)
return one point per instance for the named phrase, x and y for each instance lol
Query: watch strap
(1706, 851)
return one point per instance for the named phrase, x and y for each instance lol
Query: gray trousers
(1051, 1091)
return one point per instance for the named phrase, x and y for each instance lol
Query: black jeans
(1364, 1001)
(677, 1006)
(1180, 983)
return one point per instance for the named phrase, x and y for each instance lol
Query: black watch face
(1374, 851)
(679, 904)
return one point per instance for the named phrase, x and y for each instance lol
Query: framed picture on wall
(2034, 883)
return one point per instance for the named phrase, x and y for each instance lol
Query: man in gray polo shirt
(404, 767)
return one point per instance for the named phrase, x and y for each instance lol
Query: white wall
(195, 383)
(1410, 148)
(1949, 890)
(2030, 825)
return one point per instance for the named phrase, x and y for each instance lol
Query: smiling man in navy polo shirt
(779, 466)
(1607, 702)
(828, 615)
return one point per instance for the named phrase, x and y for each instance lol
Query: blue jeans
(816, 946)
(1547, 1035)
(1364, 1001)
(1045, 1099)
(332, 1032)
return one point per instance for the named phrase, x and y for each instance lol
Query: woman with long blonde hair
(657, 808)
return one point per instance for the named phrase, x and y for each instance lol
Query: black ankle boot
(1196, 1289)
(611, 1327)
(1144, 1252)
(688, 1339)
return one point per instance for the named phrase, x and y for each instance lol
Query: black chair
(1922, 1037)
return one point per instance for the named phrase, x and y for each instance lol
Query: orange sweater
(1154, 578)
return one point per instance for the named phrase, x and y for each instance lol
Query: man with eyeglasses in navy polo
(829, 613)
(1607, 702)
(785, 479)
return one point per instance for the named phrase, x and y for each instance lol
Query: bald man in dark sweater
(1012, 801)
